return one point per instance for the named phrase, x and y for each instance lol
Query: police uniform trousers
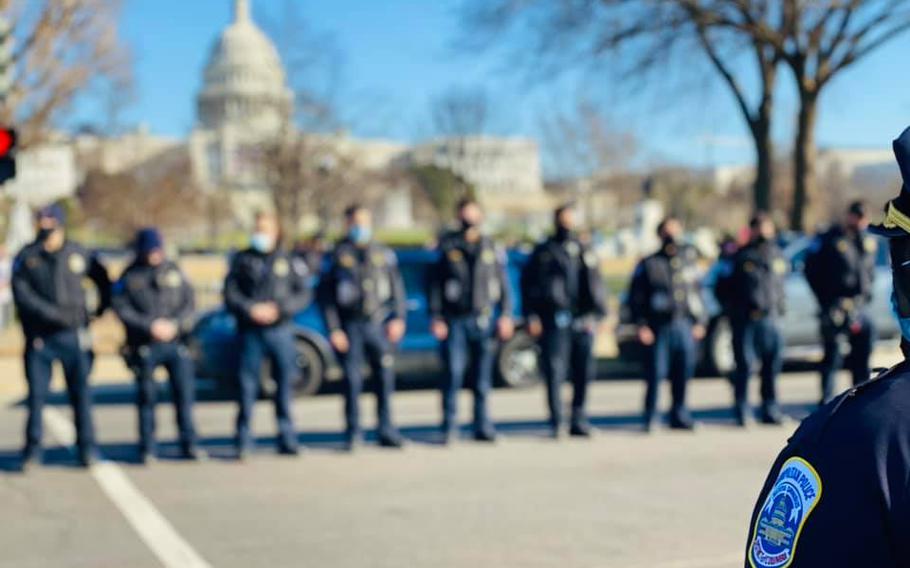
(176, 360)
(672, 355)
(40, 354)
(567, 352)
(861, 344)
(754, 340)
(368, 344)
(275, 343)
(469, 349)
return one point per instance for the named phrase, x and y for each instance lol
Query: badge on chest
(76, 263)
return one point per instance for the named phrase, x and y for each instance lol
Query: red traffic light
(7, 141)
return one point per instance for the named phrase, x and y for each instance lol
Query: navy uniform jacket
(48, 290)
(277, 277)
(841, 268)
(753, 286)
(838, 494)
(362, 283)
(469, 279)
(666, 286)
(562, 275)
(146, 293)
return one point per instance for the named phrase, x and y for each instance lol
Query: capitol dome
(244, 82)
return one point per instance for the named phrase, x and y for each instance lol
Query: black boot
(680, 419)
(771, 414)
(391, 439)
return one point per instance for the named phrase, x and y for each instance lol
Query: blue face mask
(904, 323)
(262, 242)
(360, 235)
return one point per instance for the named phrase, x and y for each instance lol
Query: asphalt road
(668, 500)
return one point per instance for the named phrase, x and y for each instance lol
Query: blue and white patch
(796, 492)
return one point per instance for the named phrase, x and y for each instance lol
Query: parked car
(802, 339)
(215, 343)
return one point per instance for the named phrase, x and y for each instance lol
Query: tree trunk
(764, 164)
(804, 160)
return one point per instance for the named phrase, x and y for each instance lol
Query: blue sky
(398, 55)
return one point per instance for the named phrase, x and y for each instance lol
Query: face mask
(467, 224)
(563, 233)
(43, 234)
(262, 242)
(669, 240)
(360, 235)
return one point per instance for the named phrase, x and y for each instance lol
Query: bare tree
(818, 41)
(583, 141)
(460, 112)
(314, 64)
(646, 36)
(309, 174)
(164, 196)
(61, 49)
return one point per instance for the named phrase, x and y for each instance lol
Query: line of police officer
(363, 300)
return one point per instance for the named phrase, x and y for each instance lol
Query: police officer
(155, 302)
(48, 289)
(840, 268)
(265, 287)
(470, 304)
(665, 302)
(837, 495)
(752, 294)
(563, 297)
(364, 306)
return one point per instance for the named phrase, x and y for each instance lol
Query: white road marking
(153, 528)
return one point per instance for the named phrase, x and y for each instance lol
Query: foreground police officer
(470, 303)
(265, 287)
(840, 268)
(752, 295)
(48, 289)
(563, 297)
(665, 302)
(155, 302)
(364, 305)
(837, 496)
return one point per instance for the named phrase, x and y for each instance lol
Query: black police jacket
(752, 284)
(362, 282)
(255, 277)
(48, 288)
(665, 286)
(469, 279)
(841, 267)
(145, 293)
(838, 496)
(562, 275)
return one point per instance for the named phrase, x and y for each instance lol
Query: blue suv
(215, 343)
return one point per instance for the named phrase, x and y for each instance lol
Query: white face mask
(262, 242)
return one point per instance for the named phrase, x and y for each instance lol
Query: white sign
(43, 174)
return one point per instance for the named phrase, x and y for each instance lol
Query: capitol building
(244, 103)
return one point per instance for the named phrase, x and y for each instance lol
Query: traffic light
(7, 154)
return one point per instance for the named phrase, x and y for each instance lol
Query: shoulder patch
(455, 255)
(488, 256)
(281, 267)
(795, 494)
